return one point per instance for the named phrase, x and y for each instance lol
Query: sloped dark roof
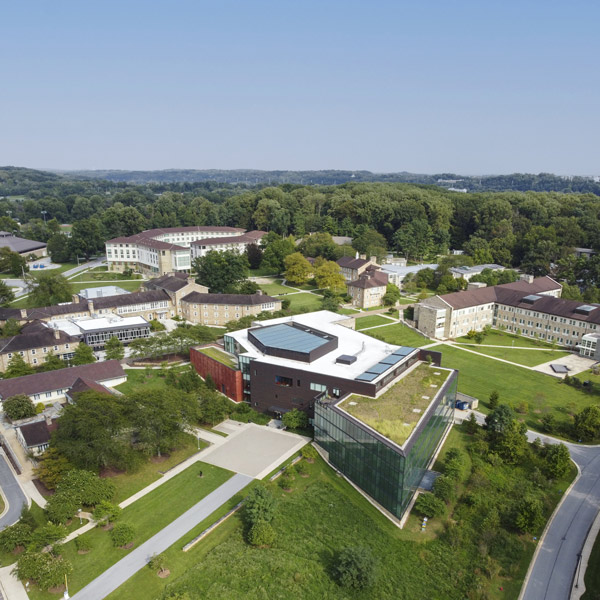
(85, 385)
(61, 379)
(236, 299)
(485, 295)
(17, 244)
(144, 240)
(370, 280)
(33, 326)
(37, 433)
(147, 237)
(60, 309)
(246, 238)
(129, 299)
(36, 339)
(10, 313)
(349, 262)
(171, 283)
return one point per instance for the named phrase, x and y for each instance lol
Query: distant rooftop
(102, 292)
(395, 413)
(476, 269)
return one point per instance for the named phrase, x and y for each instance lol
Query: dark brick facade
(227, 380)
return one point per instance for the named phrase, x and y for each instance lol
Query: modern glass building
(388, 472)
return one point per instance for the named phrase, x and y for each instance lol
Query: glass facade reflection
(385, 471)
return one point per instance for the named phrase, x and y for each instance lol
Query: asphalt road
(12, 492)
(120, 572)
(552, 572)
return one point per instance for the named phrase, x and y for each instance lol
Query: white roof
(367, 350)
(398, 270)
(102, 291)
(79, 326)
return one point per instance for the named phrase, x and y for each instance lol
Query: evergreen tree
(114, 349)
(84, 355)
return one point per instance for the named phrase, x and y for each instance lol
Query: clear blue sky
(471, 87)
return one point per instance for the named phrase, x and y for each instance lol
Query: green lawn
(104, 275)
(63, 267)
(128, 484)
(148, 515)
(371, 321)
(304, 302)
(400, 335)
(411, 565)
(479, 376)
(529, 358)
(503, 338)
(150, 379)
(404, 300)
(592, 574)
(261, 272)
(130, 286)
(348, 311)
(275, 288)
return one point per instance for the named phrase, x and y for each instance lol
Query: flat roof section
(395, 413)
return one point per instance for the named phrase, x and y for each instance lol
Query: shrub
(158, 562)
(122, 534)
(455, 466)
(471, 424)
(295, 419)
(286, 480)
(61, 507)
(309, 453)
(529, 514)
(522, 408)
(106, 512)
(260, 505)
(261, 534)
(301, 468)
(18, 407)
(444, 489)
(494, 400)
(82, 544)
(39, 408)
(156, 325)
(557, 460)
(355, 568)
(18, 534)
(587, 423)
(429, 506)
(47, 535)
(44, 568)
(549, 423)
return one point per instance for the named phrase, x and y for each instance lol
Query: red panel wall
(228, 381)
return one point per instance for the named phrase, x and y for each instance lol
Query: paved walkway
(120, 572)
(11, 587)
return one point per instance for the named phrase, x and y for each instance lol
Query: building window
(44, 350)
(56, 347)
(33, 351)
(318, 387)
(48, 394)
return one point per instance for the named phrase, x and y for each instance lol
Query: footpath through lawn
(148, 515)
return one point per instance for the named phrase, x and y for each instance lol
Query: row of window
(34, 351)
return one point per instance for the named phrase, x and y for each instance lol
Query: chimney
(363, 256)
(191, 279)
(357, 255)
(75, 298)
(91, 306)
(373, 259)
(23, 313)
(527, 278)
(57, 334)
(259, 292)
(48, 420)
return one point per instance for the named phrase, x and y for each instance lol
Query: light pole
(80, 521)
(44, 213)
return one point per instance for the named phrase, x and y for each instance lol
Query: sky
(498, 86)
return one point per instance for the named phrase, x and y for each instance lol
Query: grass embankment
(503, 338)
(395, 413)
(535, 392)
(304, 302)
(399, 335)
(415, 565)
(148, 379)
(219, 356)
(521, 356)
(370, 321)
(148, 515)
(128, 484)
(276, 288)
(592, 574)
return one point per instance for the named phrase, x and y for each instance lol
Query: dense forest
(534, 231)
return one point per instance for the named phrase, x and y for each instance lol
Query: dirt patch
(305, 475)
(42, 489)
(83, 551)
(164, 573)
(59, 589)
(160, 459)
(18, 550)
(107, 527)
(110, 472)
(127, 546)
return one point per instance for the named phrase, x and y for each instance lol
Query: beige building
(218, 309)
(35, 343)
(369, 289)
(156, 252)
(453, 315)
(353, 267)
(235, 243)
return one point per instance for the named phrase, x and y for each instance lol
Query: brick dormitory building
(317, 363)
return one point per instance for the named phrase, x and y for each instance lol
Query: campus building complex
(156, 252)
(318, 363)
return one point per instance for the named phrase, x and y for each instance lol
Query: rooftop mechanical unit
(345, 359)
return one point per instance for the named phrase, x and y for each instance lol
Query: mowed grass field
(148, 516)
(371, 321)
(503, 338)
(521, 356)
(479, 376)
(276, 288)
(399, 335)
(304, 302)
